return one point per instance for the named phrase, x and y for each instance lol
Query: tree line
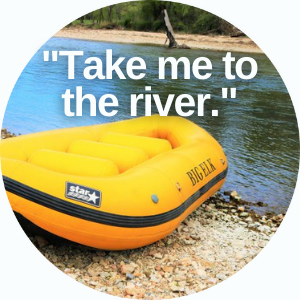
(147, 16)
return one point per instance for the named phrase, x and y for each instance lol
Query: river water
(258, 130)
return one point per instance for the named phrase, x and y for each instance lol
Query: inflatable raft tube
(113, 186)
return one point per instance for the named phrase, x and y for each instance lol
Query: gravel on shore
(213, 243)
(5, 134)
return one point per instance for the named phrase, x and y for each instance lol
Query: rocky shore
(213, 243)
(6, 134)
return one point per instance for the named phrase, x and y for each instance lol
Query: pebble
(41, 241)
(251, 225)
(241, 208)
(125, 269)
(130, 290)
(129, 276)
(104, 274)
(202, 274)
(227, 193)
(243, 223)
(208, 208)
(234, 195)
(175, 287)
(212, 281)
(168, 269)
(261, 244)
(240, 255)
(158, 256)
(244, 214)
(221, 276)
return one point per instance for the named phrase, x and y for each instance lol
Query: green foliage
(179, 26)
(141, 25)
(206, 22)
(158, 25)
(147, 16)
(126, 23)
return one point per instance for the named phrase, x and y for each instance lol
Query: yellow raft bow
(113, 186)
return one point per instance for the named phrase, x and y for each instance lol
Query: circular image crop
(150, 150)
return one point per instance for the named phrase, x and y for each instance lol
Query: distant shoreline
(195, 41)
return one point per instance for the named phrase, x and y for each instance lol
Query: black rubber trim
(101, 217)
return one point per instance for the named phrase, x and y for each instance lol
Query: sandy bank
(195, 41)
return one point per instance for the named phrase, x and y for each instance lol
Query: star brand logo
(83, 194)
(93, 197)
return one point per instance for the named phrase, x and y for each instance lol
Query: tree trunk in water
(170, 33)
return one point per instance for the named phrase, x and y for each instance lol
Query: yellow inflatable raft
(113, 186)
